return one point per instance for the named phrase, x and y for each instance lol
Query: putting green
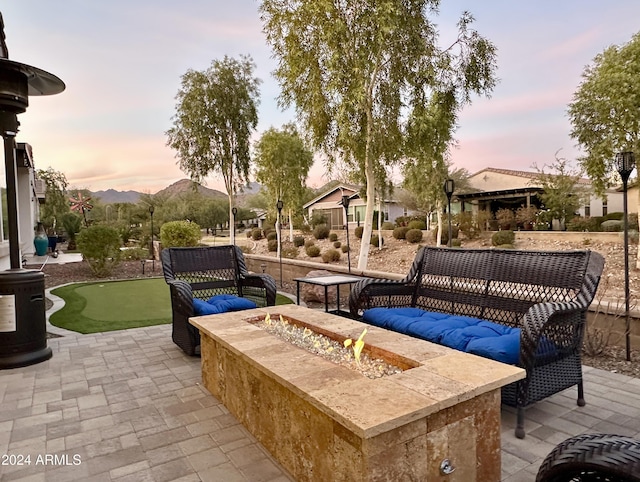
(113, 305)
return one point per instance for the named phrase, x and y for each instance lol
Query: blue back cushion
(221, 304)
(471, 335)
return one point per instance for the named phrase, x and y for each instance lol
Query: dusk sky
(122, 62)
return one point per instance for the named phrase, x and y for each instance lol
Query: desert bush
(612, 225)
(312, 251)
(331, 255)
(414, 236)
(272, 245)
(272, 235)
(358, 232)
(305, 229)
(417, 224)
(506, 218)
(333, 237)
(400, 232)
(179, 233)
(100, 247)
(248, 233)
(616, 216)
(444, 240)
(500, 238)
(309, 242)
(298, 241)
(290, 252)
(135, 254)
(345, 248)
(402, 221)
(337, 244)
(321, 231)
(456, 243)
(388, 225)
(375, 240)
(317, 219)
(467, 225)
(526, 215)
(256, 234)
(580, 223)
(266, 230)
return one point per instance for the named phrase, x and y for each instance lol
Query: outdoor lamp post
(345, 204)
(279, 206)
(152, 251)
(625, 162)
(449, 186)
(234, 212)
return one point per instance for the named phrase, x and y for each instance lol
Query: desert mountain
(184, 186)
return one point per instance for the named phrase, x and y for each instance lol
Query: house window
(358, 212)
(587, 210)
(604, 206)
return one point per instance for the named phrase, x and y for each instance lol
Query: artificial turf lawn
(113, 305)
(116, 305)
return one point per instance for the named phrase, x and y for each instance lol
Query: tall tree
(604, 111)
(216, 113)
(56, 198)
(563, 195)
(282, 165)
(356, 71)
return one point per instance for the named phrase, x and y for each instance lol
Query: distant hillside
(111, 196)
(184, 186)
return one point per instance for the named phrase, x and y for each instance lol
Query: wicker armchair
(545, 293)
(202, 272)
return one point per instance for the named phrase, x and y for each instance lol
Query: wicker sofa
(542, 295)
(203, 272)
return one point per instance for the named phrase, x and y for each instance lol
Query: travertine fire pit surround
(326, 422)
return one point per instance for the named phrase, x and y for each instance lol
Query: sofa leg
(581, 402)
(520, 423)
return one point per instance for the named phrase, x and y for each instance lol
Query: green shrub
(417, 224)
(616, 216)
(298, 241)
(506, 246)
(309, 242)
(414, 236)
(500, 238)
(290, 252)
(256, 234)
(331, 255)
(321, 231)
(506, 218)
(388, 225)
(400, 232)
(179, 234)
(612, 225)
(402, 221)
(345, 248)
(358, 232)
(272, 235)
(333, 237)
(456, 243)
(249, 232)
(337, 244)
(100, 247)
(312, 251)
(375, 240)
(467, 225)
(444, 240)
(135, 254)
(267, 230)
(305, 229)
(272, 245)
(317, 219)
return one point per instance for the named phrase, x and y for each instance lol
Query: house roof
(352, 192)
(524, 174)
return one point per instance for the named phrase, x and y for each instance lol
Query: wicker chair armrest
(262, 281)
(181, 297)
(368, 293)
(552, 321)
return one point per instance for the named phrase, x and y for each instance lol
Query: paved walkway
(129, 406)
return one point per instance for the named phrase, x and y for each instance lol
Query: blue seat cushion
(471, 335)
(221, 304)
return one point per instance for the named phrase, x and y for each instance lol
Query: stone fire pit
(323, 421)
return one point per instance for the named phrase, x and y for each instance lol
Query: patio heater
(625, 162)
(23, 336)
(345, 204)
(279, 206)
(234, 212)
(449, 186)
